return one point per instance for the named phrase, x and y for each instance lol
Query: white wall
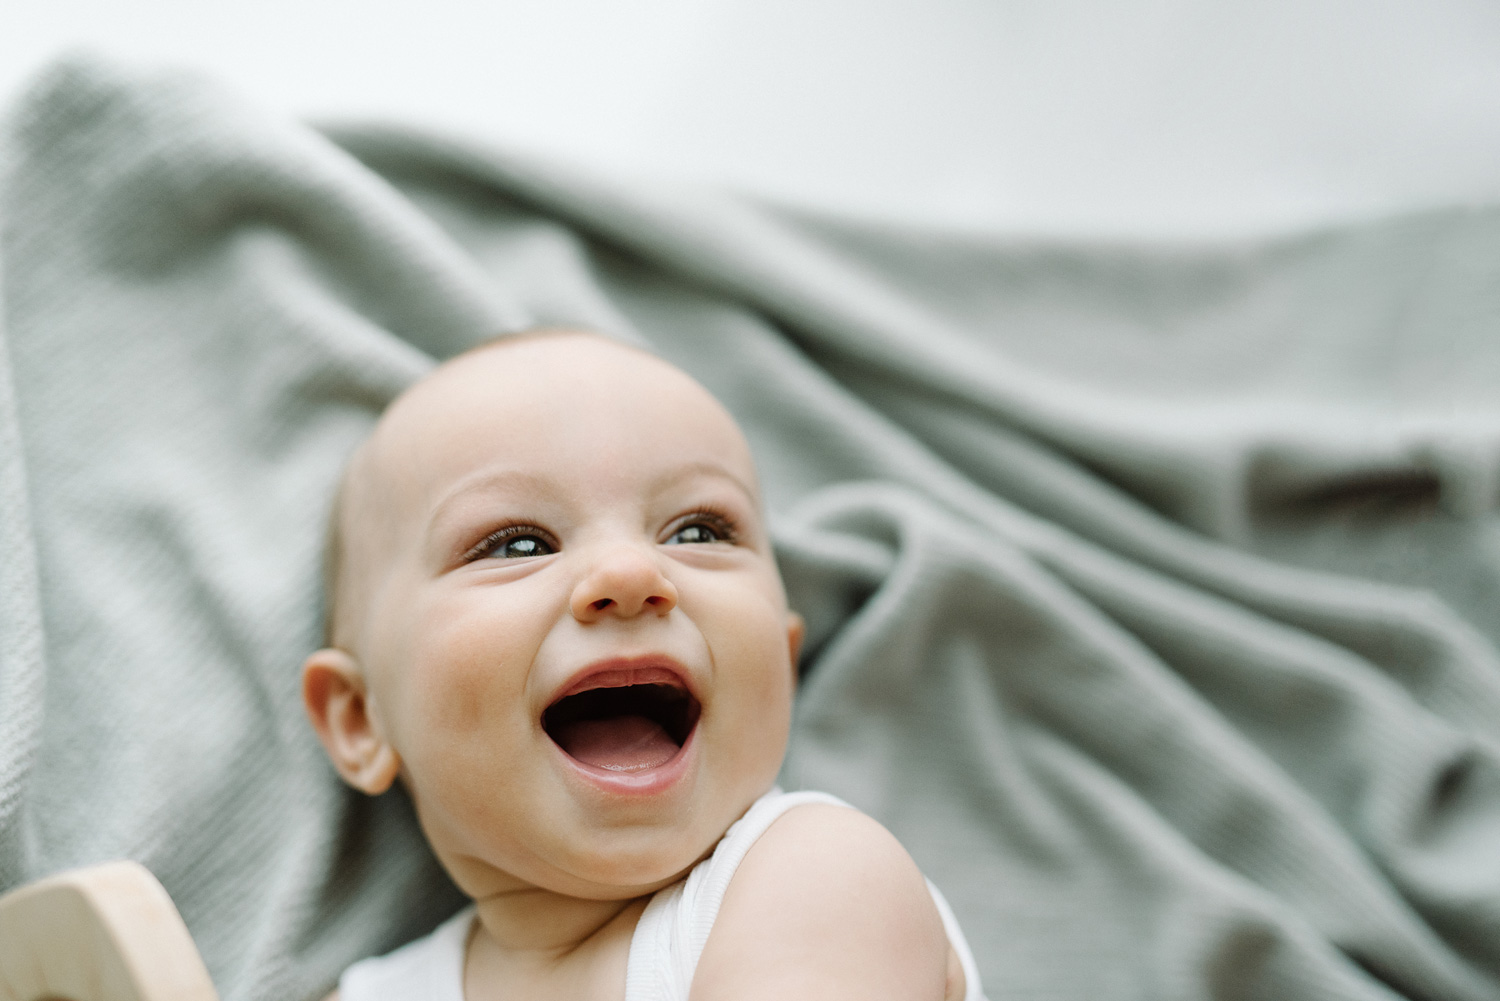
(1143, 117)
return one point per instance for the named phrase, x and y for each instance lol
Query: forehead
(577, 410)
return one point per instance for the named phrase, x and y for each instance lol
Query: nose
(624, 582)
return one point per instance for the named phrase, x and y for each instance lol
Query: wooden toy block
(105, 933)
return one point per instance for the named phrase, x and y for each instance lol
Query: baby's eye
(693, 533)
(700, 528)
(518, 546)
(513, 543)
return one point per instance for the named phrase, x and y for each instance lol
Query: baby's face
(569, 619)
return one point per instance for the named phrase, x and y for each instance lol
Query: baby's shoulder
(826, 903)
(827, 846)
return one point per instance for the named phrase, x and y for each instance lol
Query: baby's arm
(827, 904)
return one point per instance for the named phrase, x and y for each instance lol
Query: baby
(556, 618)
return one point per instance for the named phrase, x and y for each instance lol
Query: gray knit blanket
(1152, 590)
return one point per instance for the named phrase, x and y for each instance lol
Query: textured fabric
(428, 969)
(1151, 591)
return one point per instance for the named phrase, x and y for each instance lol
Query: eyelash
(717, 519)
(499, 535)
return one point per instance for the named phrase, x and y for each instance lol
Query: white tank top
(664, 948)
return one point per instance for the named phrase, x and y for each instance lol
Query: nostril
(601, 604)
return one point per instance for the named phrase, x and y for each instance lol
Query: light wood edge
(133, 917)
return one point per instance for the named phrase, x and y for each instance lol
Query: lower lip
(647, 782)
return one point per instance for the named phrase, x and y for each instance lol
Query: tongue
(621, 743)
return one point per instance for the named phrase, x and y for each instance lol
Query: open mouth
(623, 728)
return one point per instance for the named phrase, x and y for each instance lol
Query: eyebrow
(480, 482)
(701, 468)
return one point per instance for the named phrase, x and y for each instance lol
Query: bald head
(545, 406)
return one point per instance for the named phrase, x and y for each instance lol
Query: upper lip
(620, 672)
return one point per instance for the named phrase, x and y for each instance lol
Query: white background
(1146, 117)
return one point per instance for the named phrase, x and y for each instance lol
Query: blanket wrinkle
(22, 654)
(1435, 654)
(1185, 797)
(1149, 589)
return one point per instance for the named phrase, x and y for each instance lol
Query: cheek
(466, 668)
(749, 642)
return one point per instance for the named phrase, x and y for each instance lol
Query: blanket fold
(1151, 590)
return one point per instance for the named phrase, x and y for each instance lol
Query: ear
(337, 702)
(796, 628)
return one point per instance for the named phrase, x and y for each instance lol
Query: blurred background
(1154, 118)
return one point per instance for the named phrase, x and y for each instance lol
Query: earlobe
(338, 704)
(796, 628)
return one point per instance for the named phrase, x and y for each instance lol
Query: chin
(630, 864)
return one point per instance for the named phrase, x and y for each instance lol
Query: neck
(545, 924)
